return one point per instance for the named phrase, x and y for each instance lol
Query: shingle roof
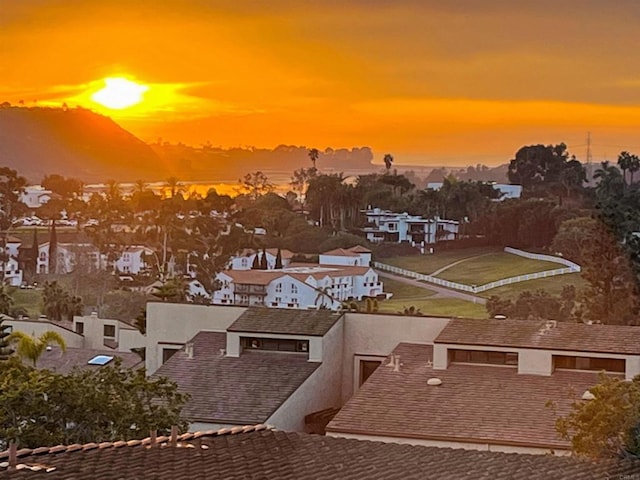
(236, 390)
(527, 334)
(475, 403)
(285, 321)
(258, 453)
(64, 362)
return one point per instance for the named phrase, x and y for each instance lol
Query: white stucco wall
(321, 390)
(178, 322)
(129, 338)
(37, 328)
(455, 444)
(378, 335)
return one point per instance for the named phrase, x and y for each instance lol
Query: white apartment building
(70, 256)
(388, 226)
(35, 196)
(132, 259)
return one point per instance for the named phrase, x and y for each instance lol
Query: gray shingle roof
(285, 321)
(237, 390)
(272, 455)
(527, 334)
(475, 403)
(64, 362)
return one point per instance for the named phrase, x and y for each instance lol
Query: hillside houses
(388, 226)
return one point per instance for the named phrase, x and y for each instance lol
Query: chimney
(188, 348)
(174, 436)
(13, 455)
(396, 367)
(223, 352)
(392, 360)
(152, 438)
(94, 314)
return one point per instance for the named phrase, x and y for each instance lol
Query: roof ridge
(161, 441)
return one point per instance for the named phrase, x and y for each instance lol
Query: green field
(428, 264)
(494, 266)
(553, 285)
(31, 300)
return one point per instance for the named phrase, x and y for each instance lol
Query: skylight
(100, 360)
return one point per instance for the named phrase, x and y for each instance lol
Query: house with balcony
(69, 257)
(388, 226)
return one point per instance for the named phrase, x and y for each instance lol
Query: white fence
(570, 268)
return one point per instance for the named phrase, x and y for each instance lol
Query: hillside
(72, 142)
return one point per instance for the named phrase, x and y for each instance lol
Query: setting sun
(119, 93)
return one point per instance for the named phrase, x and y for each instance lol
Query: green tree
(314, 154)
(53, 250)
(628, 162)
(6, 301)
(5, 344)
(263, 260)
(278, 265)
(32, 348)
(43, 408)
(254, 185)
(173, 290)
(607, 424)
(388, 161)
(58, 303)
(11, 186)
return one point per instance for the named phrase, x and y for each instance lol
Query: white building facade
(388, 226)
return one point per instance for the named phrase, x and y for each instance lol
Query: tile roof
(253, 277)
(260, 453)
(285, 321)
(341, 252)
(64, 362)
(527, 334)
(360, 249)
(475, 403)
(234, 390)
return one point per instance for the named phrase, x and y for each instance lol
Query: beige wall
(321, 390)
(377, 335)
(178, 323)
(454, 444)
(129, 338)
(37, 328)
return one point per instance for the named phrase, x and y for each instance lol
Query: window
(482, 356)
(275, 344)
(244, 262)
(167, 353)
(109, 331)
(80, 328)
(367, 367)
(278, 287)
(589, 363)
(294, 288)
(126, 257)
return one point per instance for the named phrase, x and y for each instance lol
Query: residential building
(473, 384)
(34, 196)
(132, 260)
(12, 273)
(257, 451)
(64, 362)
(70, 257)
(388, 226)
(268, 366)
(341, 275)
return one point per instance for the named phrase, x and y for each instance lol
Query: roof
(475, 403)
(64, 362)
(257, 452)
(341, 252)
(360, 249)
(285, 321)
(253, 277)
(234, 390)
(527, 334)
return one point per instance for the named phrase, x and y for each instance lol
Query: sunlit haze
(433, 82)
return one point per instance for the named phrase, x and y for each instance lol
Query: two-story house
(387, 226)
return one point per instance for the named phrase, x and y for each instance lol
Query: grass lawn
(553, 285)
(494, 266)
(430, 263)
(446, 307)
(31, 300)
(404, 290)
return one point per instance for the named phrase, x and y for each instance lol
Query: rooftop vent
(396, 366)
(392, 361)
(587, 395)
(434, 382)
(188, 348)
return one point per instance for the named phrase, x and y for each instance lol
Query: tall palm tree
(32, 348)
(313, 155)
(388, 161)
(174, 186)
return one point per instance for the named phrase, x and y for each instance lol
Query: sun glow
(119, 93)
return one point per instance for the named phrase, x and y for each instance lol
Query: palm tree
(388, 161)
(140, 186)
(32, 348)
(174, 185)
(313, 155)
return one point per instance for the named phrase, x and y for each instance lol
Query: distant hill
(72, 142)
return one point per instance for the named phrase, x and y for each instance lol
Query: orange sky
(433, 82)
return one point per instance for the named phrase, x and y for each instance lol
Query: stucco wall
(454, 444)
(321, 390)
(179, 322)
(378, 335)
(37, 328)
(130, 338)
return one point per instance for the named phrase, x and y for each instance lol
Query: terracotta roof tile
(341, 252)
(533, 334)
(475, 403)
(234, 390)
(271, 455)
(285, 321)
(254, 277)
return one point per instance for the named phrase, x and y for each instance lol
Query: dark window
(481, 356)
(167, 353)
(80, 328)
(589, 363)
(275, 344)
(367, 367)
(109, 331)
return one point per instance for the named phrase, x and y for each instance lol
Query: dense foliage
(40, 408)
